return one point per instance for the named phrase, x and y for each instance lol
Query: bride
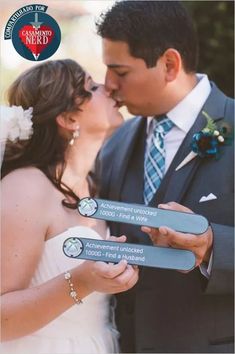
(50, 303)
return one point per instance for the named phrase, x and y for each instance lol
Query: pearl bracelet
(72, 292)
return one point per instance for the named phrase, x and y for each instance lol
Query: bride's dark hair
(51, 88)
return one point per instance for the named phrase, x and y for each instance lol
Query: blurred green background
(214, 21)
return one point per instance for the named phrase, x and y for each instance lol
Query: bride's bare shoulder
(29, 180)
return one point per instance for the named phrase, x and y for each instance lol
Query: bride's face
(99, 114)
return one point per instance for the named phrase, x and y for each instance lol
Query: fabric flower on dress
(207, 142)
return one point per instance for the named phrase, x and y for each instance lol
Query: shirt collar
(184, 114)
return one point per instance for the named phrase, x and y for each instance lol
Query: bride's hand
(117, 277)
(108, 277)
(116, 272)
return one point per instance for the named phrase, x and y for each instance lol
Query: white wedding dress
(86, 328)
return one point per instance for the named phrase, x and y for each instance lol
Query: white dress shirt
(183, 116)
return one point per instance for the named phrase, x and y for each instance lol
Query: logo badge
(35, 35)
(73, 247)
(87, 207)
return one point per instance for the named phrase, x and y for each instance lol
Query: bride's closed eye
(94, 88)
(90, 85)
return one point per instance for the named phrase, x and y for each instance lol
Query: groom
(150, 50)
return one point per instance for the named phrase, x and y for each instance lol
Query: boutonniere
(208, 142)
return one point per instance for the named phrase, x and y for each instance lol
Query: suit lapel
(123, 155)
(175, 183)
(132, 190)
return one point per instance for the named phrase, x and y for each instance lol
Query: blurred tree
(214, 21)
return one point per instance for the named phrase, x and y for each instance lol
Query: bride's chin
(112, 129)
(120, 118)
(119, 121)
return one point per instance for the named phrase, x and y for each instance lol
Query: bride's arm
(25, 219)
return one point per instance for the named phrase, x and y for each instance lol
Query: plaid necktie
(154, 164)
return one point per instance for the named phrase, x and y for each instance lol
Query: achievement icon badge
(35, 35)
(72, 247)
(87, 206)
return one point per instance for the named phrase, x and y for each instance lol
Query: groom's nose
(111, 83)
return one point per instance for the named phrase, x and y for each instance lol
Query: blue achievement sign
(139, 214)
(148, 256)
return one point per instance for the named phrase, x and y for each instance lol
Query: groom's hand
(200, 245)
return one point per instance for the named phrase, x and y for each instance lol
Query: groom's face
(131, 83)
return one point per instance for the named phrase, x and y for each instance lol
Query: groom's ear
(173, 63)
(66, 121)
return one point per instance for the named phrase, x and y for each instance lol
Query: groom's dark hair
(150, 28)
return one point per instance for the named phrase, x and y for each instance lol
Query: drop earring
(76, 134)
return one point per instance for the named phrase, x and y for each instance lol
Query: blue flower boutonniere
(208, 142)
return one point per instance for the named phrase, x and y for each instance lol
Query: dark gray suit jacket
(169, 311)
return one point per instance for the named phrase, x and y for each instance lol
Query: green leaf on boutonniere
(211, 126)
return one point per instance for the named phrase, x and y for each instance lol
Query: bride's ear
(66, 122)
